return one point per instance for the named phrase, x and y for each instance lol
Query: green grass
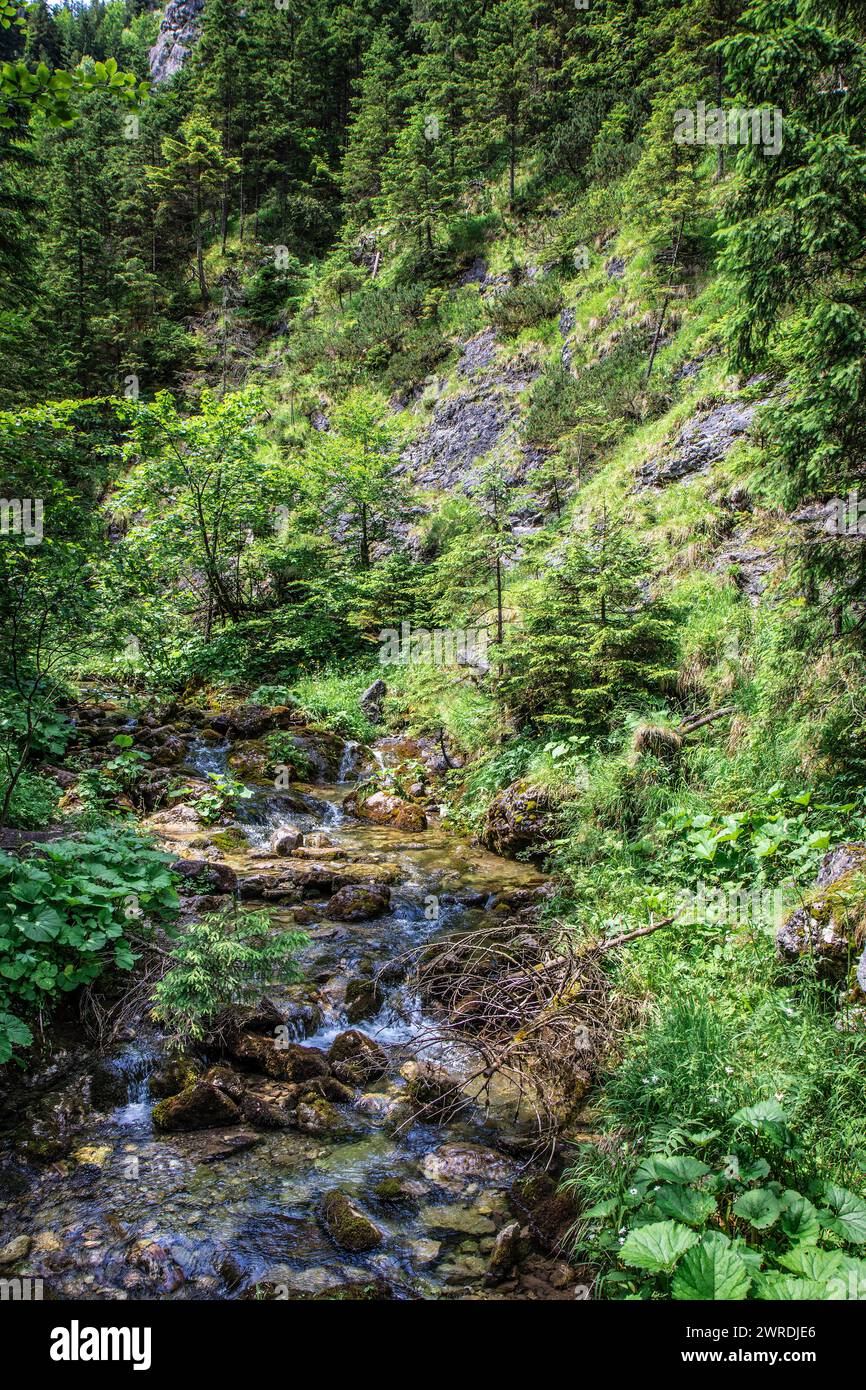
(330, 699)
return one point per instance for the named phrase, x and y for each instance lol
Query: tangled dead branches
(534, 1011)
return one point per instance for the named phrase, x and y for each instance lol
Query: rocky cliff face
(178, 31)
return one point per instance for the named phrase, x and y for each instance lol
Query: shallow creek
(136, 1214)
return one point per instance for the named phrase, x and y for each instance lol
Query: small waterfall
(334, 813)
(349, 760)
(207, 757)
(135, 1066)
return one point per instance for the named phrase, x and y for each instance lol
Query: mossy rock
(230, 839)
(829, 929)
(173, 1076)
(200, 1106)
(347, 1225)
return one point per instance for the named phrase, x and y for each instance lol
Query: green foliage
(780, 835)
(351, 467)
(33, 802)
(330, 699)
(25, 90)
(525, 305)
(65, 915)
(121, 774)
(733, 1227)
(219, 960)
(283, 751)
(219, 800)
(590, 637)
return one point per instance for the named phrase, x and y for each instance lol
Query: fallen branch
(633, 935)
(689, 726)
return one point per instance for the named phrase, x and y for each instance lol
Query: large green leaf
(767, 1117)
(760, 1207)
(712, 1270)
(799, 1218)
(684, 1204)
(809, 1262)
(657, 1247)
(848, 1214)
(678, 1168)
(787, 1287)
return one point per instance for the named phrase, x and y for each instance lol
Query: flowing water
(137, 1214)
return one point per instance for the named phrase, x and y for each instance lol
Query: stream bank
(318, 1174)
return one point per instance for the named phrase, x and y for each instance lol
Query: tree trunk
(199, 250)
(667, 301)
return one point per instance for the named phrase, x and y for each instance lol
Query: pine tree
(192, 173)
(591, 639)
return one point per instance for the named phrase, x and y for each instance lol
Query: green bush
(64, 915)
(283, 750)
(552, 410)
(222, 959)
(222, 797)
(330, 700)
(524, 306)
(34, 801)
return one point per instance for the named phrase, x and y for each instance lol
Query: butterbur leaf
(657, 1247)
(849, 1282)
(751, 1171)
(848, 1217)
(809, 1262)
(684, 1204)
(799, 1218)
(787, 1288)
(679, 1168)
(767, 1117)
(712, 1270)
(752, 1258)
(760, 1207)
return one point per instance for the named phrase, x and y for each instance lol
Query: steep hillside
(450, 414)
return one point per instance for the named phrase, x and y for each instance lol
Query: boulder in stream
(262, 1114)
(200, 1106)
(171, 1077)
(285, 840)
(316, 1115)
(383, 809)
(179, 817)
(317, 839)
(436, 1095)
(347, 1224)
(364, 999)
(285, 1061)
(358, 902)
(205, 875)
(357, 1059)
(518, 819)
(459, 1165)
(505, 1252)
